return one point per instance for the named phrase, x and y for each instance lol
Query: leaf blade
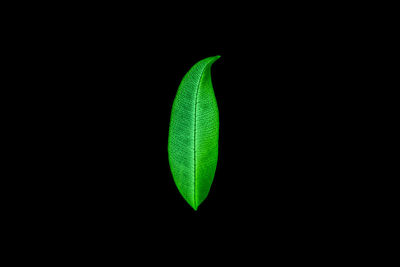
(193, 134)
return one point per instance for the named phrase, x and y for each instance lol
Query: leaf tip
(213, 59)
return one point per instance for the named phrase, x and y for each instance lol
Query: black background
(99, 130)
(109, 136)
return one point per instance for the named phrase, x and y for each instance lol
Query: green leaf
(193, 134)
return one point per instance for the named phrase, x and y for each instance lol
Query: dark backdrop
(105, 96)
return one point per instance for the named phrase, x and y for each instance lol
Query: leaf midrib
(194, 134)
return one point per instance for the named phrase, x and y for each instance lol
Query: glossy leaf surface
(193, 134)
